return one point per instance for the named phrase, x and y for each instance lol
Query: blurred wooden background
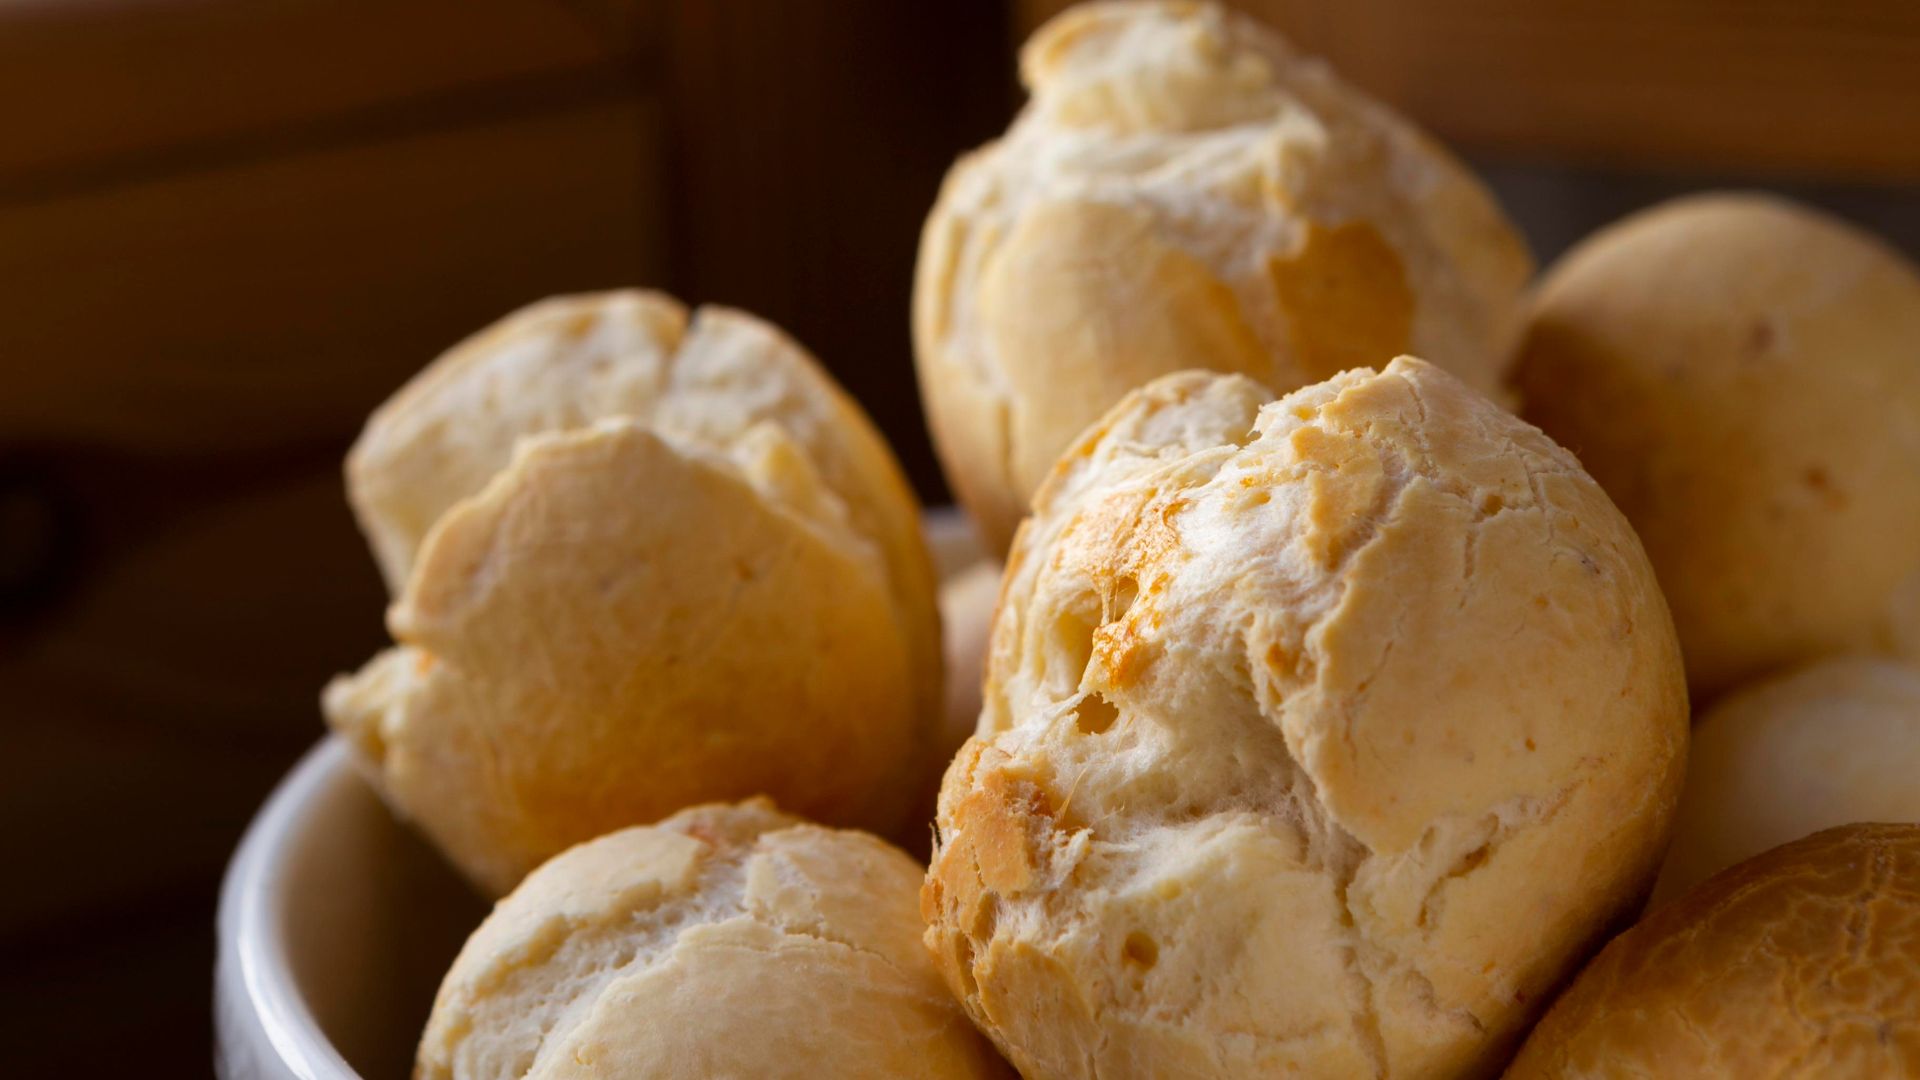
(228, 228)
(1828, 88)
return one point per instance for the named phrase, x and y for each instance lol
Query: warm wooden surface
(1828, 88)
(808, 141)
(274, 301)
(169, 83)
(153, 699)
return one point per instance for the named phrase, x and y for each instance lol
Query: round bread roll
(667, 563)
(966, 612)
(726, 941)
(1743, 376)
(1323, 737)
(1833, 743)
(706, 379)
(1185, 190)
(1804, 961)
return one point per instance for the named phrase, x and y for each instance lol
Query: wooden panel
(126, 997)
(87, 84)
(808, 141)
(1830, 88)
(276, 303)
(146, 714)
(636, 22)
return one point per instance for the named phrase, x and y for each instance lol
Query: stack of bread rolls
(1323, 706)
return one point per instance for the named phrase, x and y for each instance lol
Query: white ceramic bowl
(335, 926)
(336, 922)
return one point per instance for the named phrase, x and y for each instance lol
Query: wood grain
(807, 142)
(90, 87)
(277, 302)
(151, 706)
(1821, 89)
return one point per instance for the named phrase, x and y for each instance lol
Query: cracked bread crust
(1184, 189)
(1322, 736)
(706, 379)
(664, 561)
(723, 941)
(575, 659)
(1800, 962)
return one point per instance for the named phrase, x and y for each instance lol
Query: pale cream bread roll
(726, 941)
(646, 560)
(1742, 375)
(1832, 743)
(1184, 189)
(705, 376)
(1323, 737)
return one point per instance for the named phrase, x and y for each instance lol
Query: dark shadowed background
(228, 228)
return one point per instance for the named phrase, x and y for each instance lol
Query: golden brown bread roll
(707, 377)
(667, 562)
(726, 941)
(1743, 376)
(1832, 743)
(1802, 962)
(1323, 736)
(1185, 190)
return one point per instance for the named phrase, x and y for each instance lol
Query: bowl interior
(367, 919)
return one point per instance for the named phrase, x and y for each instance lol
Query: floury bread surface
(646, 561)
(727, 941)
(1800, 962)
(1323, 736)
(1185, 190)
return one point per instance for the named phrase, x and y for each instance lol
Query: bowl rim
(253, 979)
